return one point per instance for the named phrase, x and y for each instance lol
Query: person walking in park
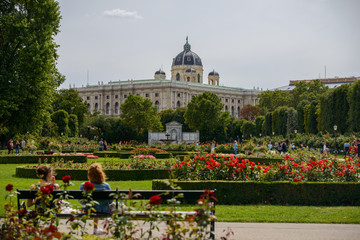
(235, 147)
(213, 146)
(10, 146)
(101, 145)
(97, 177)
(23, 143)
(17, 147)
(346, 148)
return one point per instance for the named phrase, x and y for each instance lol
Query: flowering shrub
(218, 167)
(143, 157)
(147, 151)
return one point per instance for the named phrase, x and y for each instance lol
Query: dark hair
(43, 171)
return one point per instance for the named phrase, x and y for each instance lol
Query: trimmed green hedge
(112, 175)
(277, 193)
(6, 159)
(112, 154)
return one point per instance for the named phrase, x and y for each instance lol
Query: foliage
(279, 120)
(69, 100)
(204, 113)
(248, 129)
(354, 106)
(310, 118)
(28, 73)
(309, 91)
(249, 112)
(73, 125)
(259, 122)
(61, 119)
(140, 114)
(291, 124)
(169, 115)
(267, 125)
(271, 100)
(301, 115)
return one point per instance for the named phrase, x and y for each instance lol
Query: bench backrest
(189, 196)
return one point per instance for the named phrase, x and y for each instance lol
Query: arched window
(188, 79)
(88, 107)
(232, 111)
(157, 104)
(198, 78)
(238, 111)
(226, 107)
(116, 108)
(178, 104)
(177, 77)
(107, 108)
(96, 107)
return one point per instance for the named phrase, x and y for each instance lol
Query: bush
(9, 159)
(112, 175)
(278, 193)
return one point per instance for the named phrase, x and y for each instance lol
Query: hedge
(277, 193)
(112, 154)
(112, 175)
(8, 159)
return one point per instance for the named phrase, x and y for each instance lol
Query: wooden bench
(188, 197)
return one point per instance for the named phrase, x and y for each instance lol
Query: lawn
(230, 213)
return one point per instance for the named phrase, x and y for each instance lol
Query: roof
(329, 82)
(159, 81)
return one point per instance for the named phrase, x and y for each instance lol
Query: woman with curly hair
(97, 177)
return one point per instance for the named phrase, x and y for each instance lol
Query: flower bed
(278, 193)
(218, 167)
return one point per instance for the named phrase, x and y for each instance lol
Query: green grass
(225, 213)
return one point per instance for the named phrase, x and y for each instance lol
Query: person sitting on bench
(97, 177)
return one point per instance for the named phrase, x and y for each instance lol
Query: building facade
(186, 81)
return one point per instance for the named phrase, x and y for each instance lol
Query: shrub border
(277, 193)
(11, 159)
(112, 175)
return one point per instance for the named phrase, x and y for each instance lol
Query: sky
(250, 43)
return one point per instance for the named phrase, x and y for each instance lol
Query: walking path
(277, 231)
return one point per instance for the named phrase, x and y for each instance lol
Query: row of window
(125, 96)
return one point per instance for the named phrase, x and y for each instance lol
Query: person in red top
(353, 150)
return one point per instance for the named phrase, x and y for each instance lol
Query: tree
(259, 121)
(204, 113)
(309, 91)
(61, 119)
(279, 120)
(73, 125)
(69, 100)
(28, 73)
(270, 100)
(310, 118)
(300, 115)
(267, 125)
(249, 112)
(248, 129)
(140, 114)
(234, 128)
(292, 123)
(169, 115)
(354, 106)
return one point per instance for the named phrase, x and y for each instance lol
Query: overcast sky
(261, 43)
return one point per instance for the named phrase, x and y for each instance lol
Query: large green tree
(28, 73)
(140, 114)
(204, 113)
(271, 100)
(69, 100)
(354, 106)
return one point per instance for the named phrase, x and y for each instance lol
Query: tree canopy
(204, 113)
(28, 73)
(140, 114)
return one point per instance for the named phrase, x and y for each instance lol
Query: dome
(213, 73)
(187, 57)
(160, 72)
(190, 70)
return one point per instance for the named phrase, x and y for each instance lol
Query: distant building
(329, 82)
(186, 82)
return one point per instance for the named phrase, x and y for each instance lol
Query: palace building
(186, 81)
